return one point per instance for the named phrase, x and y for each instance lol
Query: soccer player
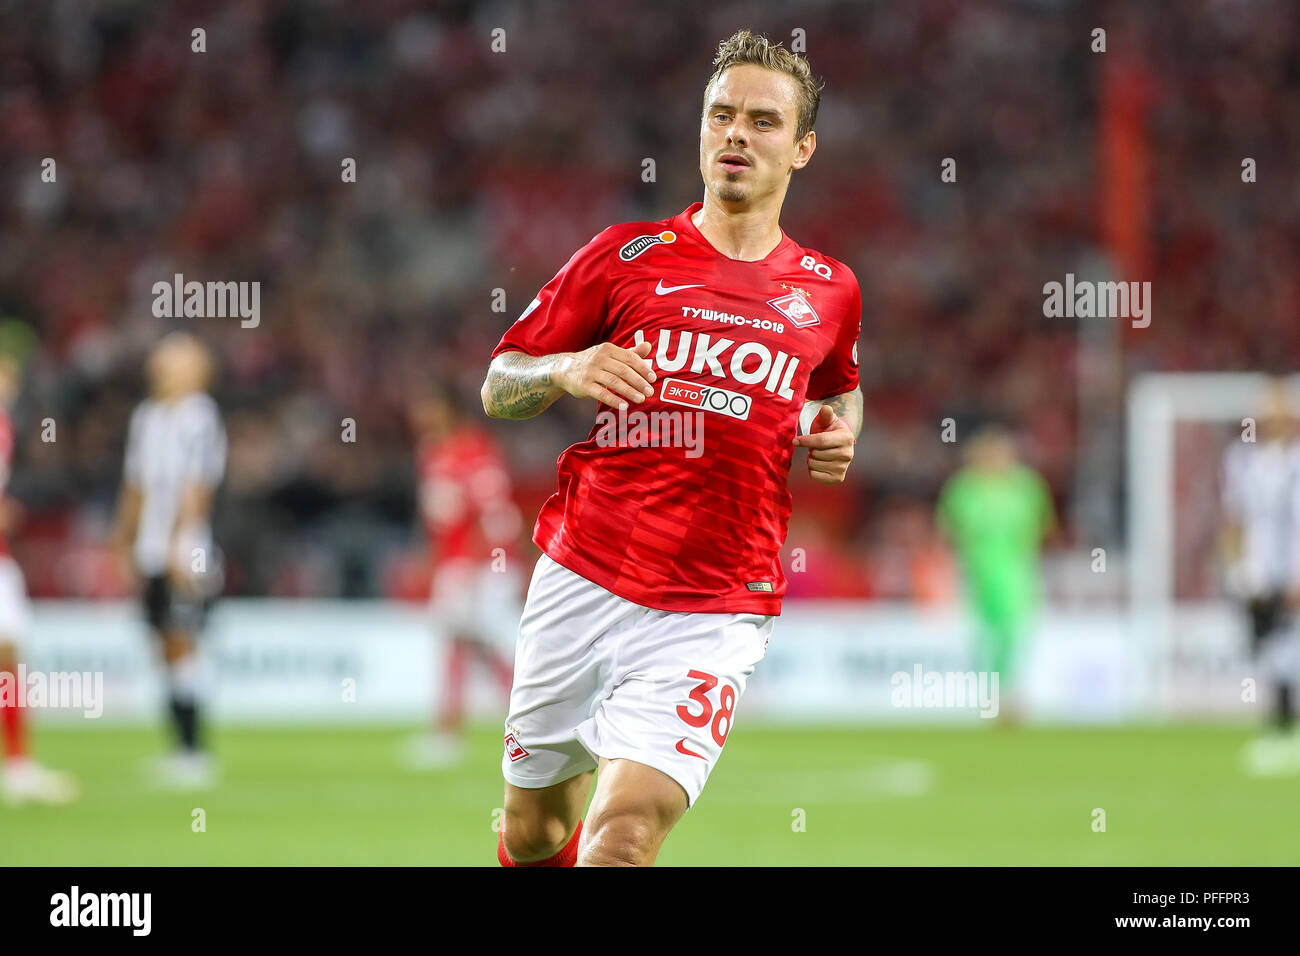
(473, 528)
(996, 512)
(660, 580)
(175, 457)
(22, 779)
(1261, 525)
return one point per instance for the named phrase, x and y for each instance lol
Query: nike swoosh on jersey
(681, 749)
(662, 289)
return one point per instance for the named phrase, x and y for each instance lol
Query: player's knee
(532, 836)
(622, 837)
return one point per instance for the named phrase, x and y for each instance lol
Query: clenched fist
(830, 444)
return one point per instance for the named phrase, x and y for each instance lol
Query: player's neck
(748, 236)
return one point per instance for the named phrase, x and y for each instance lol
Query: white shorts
(599, 676)
(15, 609)
(471, 600)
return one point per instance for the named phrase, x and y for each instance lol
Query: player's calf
(528, 838)
(542, 823)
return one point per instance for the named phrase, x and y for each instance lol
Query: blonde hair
(743, 47)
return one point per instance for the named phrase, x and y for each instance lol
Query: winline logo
(67, 690)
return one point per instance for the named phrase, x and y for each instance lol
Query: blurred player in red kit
(661, 577)
(474, 528)
(22, 779)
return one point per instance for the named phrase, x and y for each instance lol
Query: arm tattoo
(847, 406)
(520, 385)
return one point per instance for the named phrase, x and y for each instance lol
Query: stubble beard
(731, 191)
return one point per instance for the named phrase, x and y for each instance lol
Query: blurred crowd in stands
(479, 170)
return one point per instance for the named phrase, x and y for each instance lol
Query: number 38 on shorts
(718, 719)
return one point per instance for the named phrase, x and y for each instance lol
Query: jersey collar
(682, 223)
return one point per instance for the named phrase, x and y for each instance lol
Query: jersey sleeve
(838, 372)
(569, 313)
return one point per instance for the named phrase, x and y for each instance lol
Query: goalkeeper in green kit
(996, 512)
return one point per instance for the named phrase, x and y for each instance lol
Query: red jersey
(465, 498)
(737, 347)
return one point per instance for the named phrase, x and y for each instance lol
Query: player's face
(747, 144)
(993, 452)
(177, 368)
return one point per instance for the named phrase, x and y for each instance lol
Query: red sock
(11, 716)
(566, 857)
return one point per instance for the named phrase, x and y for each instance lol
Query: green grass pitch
(780, 796)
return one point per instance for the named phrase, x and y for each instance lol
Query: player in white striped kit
(1261, 545)
(175, 457)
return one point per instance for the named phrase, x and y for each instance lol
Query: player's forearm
(847, 407)
(520, 385)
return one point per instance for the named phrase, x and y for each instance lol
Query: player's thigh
(1003, 615)
(634, 808)
(680, 678)
(1267, 616)
(562, 673)
(177, 616)
(539, 821)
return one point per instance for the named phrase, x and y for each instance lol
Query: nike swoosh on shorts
(682, 749)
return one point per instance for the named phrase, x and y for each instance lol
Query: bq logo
(731, 404)
(641, 243)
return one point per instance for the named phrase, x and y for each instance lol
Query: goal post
(1158, 403)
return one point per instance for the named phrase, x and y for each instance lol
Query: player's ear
(804, 150)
